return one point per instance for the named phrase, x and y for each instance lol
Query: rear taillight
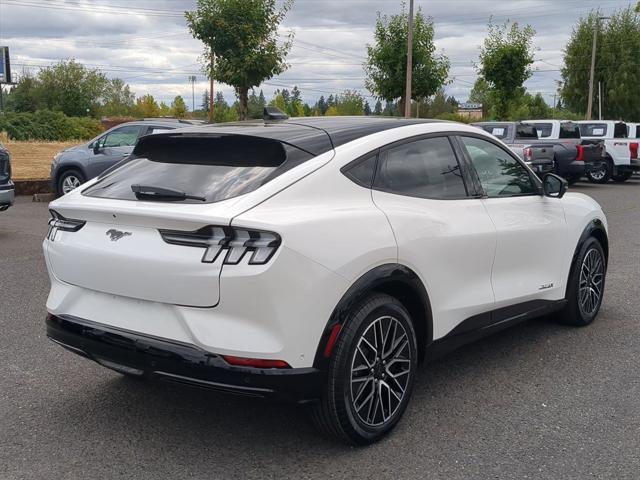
(527, 153)
(255, 362)
(236, 242)
(580, 156)
(633, 149)
(60, 223)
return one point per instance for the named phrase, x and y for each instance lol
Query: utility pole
(192, 79)
(554, 106)
(596, 28)
(599, 100)
(407, 93)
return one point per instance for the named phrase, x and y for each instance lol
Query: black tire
(68, 175)
(621, 177)
(353, 369)
(601, 175)
(580, 310)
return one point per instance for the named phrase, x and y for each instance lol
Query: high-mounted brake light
(255, 362)
(633, 149)
(59, 223)
(235, 241)
(580, 156)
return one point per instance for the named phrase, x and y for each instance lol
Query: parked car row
(599, 150)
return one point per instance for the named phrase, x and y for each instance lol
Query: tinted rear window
(213, 167)
(569, 130)
(593, 129)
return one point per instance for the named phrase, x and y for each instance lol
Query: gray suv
(74, 166)
(7, 189)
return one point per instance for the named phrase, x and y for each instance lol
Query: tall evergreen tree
(377, 110)
(367, 108)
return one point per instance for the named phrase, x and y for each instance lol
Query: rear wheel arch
(594, 229)
(396, 280)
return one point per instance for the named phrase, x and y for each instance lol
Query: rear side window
(620, 130)
(526, 132)
(569, 130)
(498, 131)
(425, 168)
(209, 166)
(593, 129)
(362, 171)
(544, 129)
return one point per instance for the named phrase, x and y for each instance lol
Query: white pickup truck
(621, 152)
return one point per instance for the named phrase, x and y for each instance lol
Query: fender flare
(595, 228)
(387, 278)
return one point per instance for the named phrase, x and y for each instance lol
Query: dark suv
(74, 166)
(7, 190)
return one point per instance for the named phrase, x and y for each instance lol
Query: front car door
(113, 147)
(443, 233)
(531, 228)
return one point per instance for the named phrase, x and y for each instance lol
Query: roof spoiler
(274, 114)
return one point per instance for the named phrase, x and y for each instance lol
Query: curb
(32, 187)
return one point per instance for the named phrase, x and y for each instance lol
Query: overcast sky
(147, 43)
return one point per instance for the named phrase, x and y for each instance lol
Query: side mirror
(554, 186)
(96, 148)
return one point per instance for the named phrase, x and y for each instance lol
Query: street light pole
(192, 79)
(407, 93)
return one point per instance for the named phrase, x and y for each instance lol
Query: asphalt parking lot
(536, 401)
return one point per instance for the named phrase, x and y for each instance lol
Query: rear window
(213, 167)
(569, 130)
(593, 129)
(526, 131)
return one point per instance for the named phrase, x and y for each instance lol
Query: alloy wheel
(380, 371)
(70, 183)
(598, 174)
(591, 282)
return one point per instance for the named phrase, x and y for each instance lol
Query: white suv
(315, 260)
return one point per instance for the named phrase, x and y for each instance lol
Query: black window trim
(537, 183)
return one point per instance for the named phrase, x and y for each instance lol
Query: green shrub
(48, 126)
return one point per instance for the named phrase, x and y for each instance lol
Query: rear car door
(113, 147)
(442, 232)
(531, 228)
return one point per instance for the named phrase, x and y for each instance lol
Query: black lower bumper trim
(138, 354)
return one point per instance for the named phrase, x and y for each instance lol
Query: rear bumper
(635, 164)
(576, 168)
(162, 359)
(7, 195)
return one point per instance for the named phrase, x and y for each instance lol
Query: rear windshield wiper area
(150, 192)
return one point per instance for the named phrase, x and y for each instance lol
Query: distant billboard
(5, 65)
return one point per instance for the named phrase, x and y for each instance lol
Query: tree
(256, 105)
(179, 107)
(377, 110)
(26, 95)
(205, 105)
(505, 62)
(618, 41)
(332, 111)
(72, 88)
(367, 108)
(481, 93)
(322, 105)
(118, 99)
(164, 110)
(146, 106)
(241, 42)
(279, 102)
(350, 103)
(222, 112)
(386, 65)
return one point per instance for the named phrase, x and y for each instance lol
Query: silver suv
(74, 166)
